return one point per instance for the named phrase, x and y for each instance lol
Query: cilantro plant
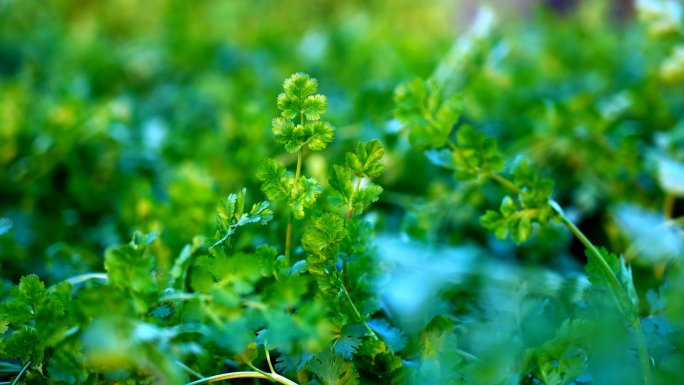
(217, 306)
(298, 101)
(430, 117)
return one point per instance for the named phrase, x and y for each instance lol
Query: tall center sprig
(300, 192)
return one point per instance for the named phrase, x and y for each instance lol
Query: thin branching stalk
(288, 239)
(16, 380)
(80, 278)
(358, 315)
(189, 370)
(268, 359)
(615, 286)
(232, 376)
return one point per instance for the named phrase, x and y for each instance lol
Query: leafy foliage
(95, 143)
(420, 106)
(332, 370)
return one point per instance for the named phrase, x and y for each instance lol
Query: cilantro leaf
(332, 369)
(393, 337)
(429, 118)
(304, 195)
(349, 340)
(25, 344)
(288, 134)
(366, 161)
(475, 153)
(267, 260)
(365, 196)
(128, 267)
(314, 106)
(318, 134)
(324, 236)
(287, 363)
(277, 181)
(627, 297)
(298, 97)
(340, 181)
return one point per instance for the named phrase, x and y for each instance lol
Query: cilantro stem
(268, 359)
(7, 367)
(504, 182)
(668, 207)
(358, 315)
(288, 237)
(615, 286)
(467, 355)
(189, 370)
(79, 279)
(16, 380)
(234, 375)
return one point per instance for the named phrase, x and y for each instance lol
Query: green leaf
(340, 180)
(493, 221)
(522, 229)
(5, 225)
(393, 337)
(301, 85)
(429, 117)
(30, 300)
(286, 133)
(25, 344)
(277, 181)
(267, 260)
(349, 340)
(298, 97)
(324, 236)
(260, 213)
(304, 195)
(288, 363)
(366, 161)
(366, 196)
(314, 106)
(627, 297)
(318, 134)
(475, 153)
(332, 369)
(128, 267)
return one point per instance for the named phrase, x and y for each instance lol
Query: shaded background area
(125, 115)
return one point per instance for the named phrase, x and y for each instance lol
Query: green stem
(268, 359)
(468, 356)
(644, 358)
(16, 380)
(345, 279)
(358, 315)
(668, 207)
(6, 367)
(79, 279)
(189, 370)
(615, 286)
(504, 182)
(603, 264)
(232, 376)
(288, 237)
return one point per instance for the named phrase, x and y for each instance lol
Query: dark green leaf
(332, 370)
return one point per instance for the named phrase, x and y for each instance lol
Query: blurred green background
(122, 115)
